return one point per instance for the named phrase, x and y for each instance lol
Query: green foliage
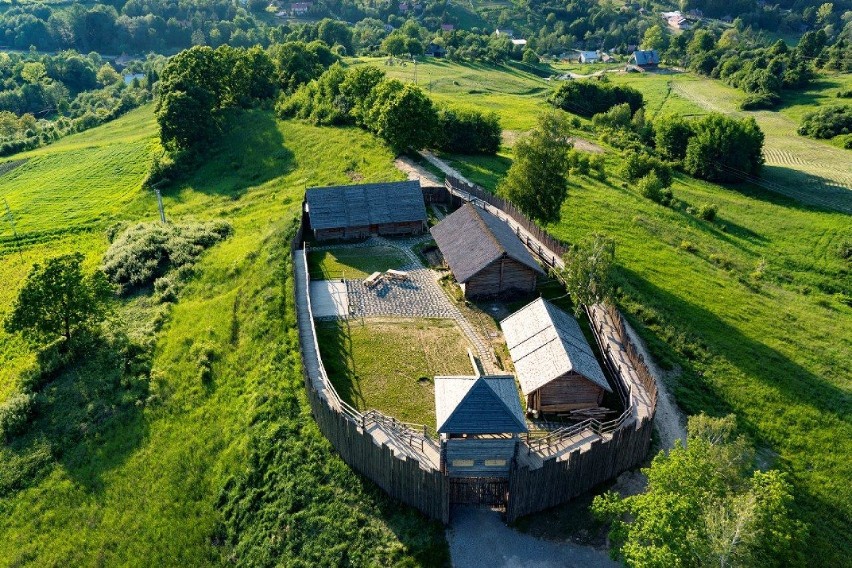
(708, 211)
(827, 122)
(297, 63)
(671, 135)
(724, 148)
(618, 116)
(467, 131)
(537, 182)
(590, 97)
(759, 101)
(652, 187)
(637, 165)
(15, 414)
(58, 299)
(705, 506)
(145, 252)
(588, 272)
(402, 115)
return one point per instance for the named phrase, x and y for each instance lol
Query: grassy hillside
(233, 469)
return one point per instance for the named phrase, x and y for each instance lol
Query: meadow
(201, 472)
(353, 263)
(390, 364)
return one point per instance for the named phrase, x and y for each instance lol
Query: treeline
(829, 122)
(399, 113)
(744, 60)
(45, 97)
(590, 97)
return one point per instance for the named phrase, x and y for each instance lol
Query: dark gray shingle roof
(478, 405)
(471, 238)
(545, 343)
(647, 57)
(366, 204)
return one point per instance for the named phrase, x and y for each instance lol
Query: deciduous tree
(588, 271)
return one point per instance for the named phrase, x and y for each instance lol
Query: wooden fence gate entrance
(492, 492)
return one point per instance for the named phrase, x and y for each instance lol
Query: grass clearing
(390, 364)
(353, 263)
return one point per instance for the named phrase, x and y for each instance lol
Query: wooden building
(555, 365)
(645, 58)
(479, 419)
(358, 211)
(484, 254)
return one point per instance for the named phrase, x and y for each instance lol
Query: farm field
(353, 263)
(390, 364)
(168, 481)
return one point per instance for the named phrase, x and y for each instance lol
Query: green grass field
(168, 483)
(353, 263)
(390, 364)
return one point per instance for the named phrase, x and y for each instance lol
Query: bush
(637, 165)
(588, 97)
(15, 414)
(467, 131)
(708, 211)
(652, 187)
(147, 251)
(758, 101)
(827, 122)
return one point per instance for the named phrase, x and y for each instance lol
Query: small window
(462, 463)
(495, 463)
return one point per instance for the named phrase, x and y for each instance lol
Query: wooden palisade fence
(400, 467)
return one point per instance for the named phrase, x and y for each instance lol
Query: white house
(589, 57)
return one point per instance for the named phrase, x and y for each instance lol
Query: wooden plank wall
(479, 450)
(557, 482)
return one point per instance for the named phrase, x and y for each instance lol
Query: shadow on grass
(250, 152)
(87, 418)
(807, 190)
(335, 341)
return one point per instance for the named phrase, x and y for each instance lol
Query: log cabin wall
(504, 275)
(569, 392)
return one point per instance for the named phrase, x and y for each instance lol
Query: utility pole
(415, 69)
(11, 219)
(160, 205)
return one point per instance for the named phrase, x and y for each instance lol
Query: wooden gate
(492, 492)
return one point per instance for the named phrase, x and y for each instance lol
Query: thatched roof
(471, 238)
(545, 343)
(367, 204)
(478, 405)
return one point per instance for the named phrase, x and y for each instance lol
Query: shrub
(589, 97)
(827, 122)
(758, 101)
(15, 414)
(579, 162)
(205, 354)
(467, 131)
(688, 246)
(637, 165)
(147, 251)
(653, 188)
(844, 94)
(707, 211)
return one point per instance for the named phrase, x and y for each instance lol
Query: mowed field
(233, 470)
(752, 313)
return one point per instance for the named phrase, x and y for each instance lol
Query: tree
(704, 506)
(537, 182)
(107, 75)
(671, 134)
(403, 115)
(33, 72)
(724, 148)
(394, 44)
(58, 300)
(654, 38)
(588, 272)
(335, 32)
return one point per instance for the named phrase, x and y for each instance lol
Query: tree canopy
(58, 299)
(537, 182)
(588, 271)
(705, 505)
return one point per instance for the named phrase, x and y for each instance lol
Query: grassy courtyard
(353, 263)
(390, 364)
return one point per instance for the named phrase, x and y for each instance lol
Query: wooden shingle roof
(545, 343)
(366, 204)
(478, 405)
(471, 238)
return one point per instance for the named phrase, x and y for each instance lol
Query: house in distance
(484, 254)
(359, 211)
(645, 58)
(555, 365)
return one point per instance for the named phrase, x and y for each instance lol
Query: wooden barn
(358, 211)
(555, 365)
(484, 254)
(479, 419)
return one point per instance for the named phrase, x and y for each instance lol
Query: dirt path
(417, 172)
(669, 421)
(479, 539)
